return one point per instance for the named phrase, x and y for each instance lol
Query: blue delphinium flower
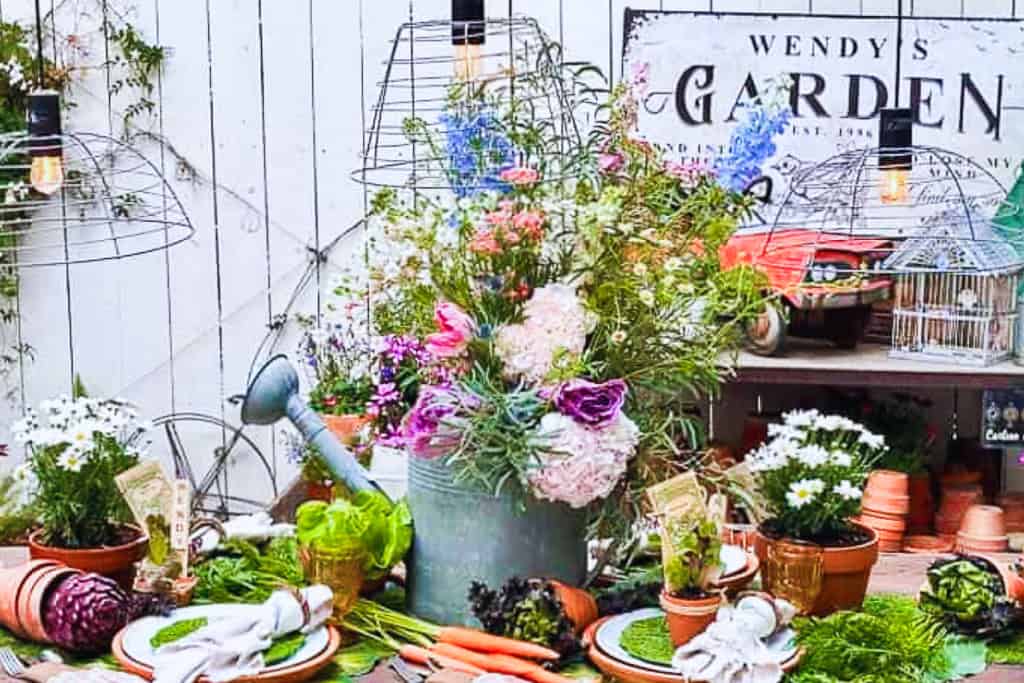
(477, 153)
(753, 140)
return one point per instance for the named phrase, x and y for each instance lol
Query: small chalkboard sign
(1002, 417)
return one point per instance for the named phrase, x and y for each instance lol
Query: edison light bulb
(894, 186)
(467, 62)
(47, 174)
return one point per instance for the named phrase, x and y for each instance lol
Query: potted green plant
(691, 563)
(338, 363)
(812, 472)
(76, 446)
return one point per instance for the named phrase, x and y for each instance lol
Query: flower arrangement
(337, 361)
(752, 142)
(76, 448)
(567, 326)
(813, 472)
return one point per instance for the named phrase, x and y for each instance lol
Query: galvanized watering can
(461, 535)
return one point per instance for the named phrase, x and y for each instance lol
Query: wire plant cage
(113, 203)
(449, 80)
(937, 232)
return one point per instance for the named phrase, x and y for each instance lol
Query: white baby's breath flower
(673, 264)
(847, 490)
(639, 269)
(646, 297)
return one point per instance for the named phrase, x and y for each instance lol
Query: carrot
(495, 663)
(485, 642)
(541, 675)
(419, 655)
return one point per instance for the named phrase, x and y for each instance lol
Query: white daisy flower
(813, 455)
(803, 492)
(847, 490)
(71, 460)
(801, 418)
(842, 459)
(871, 440)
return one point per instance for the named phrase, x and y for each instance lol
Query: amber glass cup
(341, 571)
(793, 571)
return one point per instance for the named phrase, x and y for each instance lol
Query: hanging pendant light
(895, 158)
(468, 37)
(44, 142)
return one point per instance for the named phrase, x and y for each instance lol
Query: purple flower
(610, 162)
(422, 431)
(594, 405)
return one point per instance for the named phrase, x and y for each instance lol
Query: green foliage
(245, 573)
(368, 525)
(649, 639)
(159, 539)
(361, 658)
(903, 423)
(283, 648)
(889, 642)
(691, 555)
(17, 516)
(524, 609)
(176, 631)
(82, 509)
(968, 594)
(1007, 650)
(135, 63)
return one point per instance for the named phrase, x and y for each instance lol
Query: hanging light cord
(899, 50)
(39, 45)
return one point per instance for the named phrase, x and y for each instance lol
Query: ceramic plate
(734, 558)
(609, 633)
(137, 635)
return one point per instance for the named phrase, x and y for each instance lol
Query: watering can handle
(340, 461)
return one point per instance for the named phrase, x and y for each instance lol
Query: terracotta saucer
(926, 543)
(626, 673)
(303, 671)
(738, 581)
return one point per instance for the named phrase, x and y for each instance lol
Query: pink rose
(455, 329)
(610, 162)
(520, 176)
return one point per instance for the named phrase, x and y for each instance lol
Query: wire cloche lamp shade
(942, 237)
(79, 197)
(450, 81)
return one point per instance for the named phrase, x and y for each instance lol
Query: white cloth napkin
(256, 527)
(728, 651)
(95, 676)
(230, 648)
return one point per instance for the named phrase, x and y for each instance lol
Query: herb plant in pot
(690, 559)
(75, 449)
(812, 472)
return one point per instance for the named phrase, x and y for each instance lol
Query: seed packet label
(181, 522)
(680, 496)
(147, 490)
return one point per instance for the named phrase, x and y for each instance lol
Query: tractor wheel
(766, 335)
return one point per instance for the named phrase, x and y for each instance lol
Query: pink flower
(530, 223)
(610, 162)
(455, 330)
(639, 77)
(520, 176)
(484, 242)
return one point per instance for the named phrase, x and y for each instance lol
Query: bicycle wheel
(237, 478)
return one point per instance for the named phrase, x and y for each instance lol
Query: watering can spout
(273, 394)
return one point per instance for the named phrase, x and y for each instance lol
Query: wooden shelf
(808, 363)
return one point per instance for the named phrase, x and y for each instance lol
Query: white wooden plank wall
(267, 99)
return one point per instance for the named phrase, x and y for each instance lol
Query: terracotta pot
(922, 505)
(319, 490)
(880, 521)
(31, 614)
(980, 544)
(890, 547)
(117, 562)
(687, 618)
(918, 543)
(12, 582)
(1013, 511)
(345, 427)
(955, 502)
(960, 476)
(887, 491)
(983, 521)
(579, 605)
(846, 572)
(1014, 584)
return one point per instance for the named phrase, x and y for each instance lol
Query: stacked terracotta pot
(22, 590)
(983, 530)
(884, 508)
(956, 499)
(921, 517)
(1013, 511)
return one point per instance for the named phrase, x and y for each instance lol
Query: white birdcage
(956, 295)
